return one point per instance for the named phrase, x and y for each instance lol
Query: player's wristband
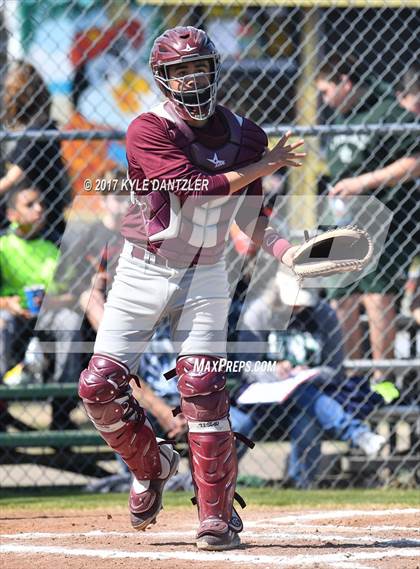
(275, 244)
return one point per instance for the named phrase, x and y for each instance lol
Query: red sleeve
(152, 154)
(253, 221)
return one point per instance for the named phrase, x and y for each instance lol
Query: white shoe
(370, 443)
(145, 500)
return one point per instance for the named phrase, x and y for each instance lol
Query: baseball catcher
(194, 163)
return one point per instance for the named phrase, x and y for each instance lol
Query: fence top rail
(317, 130)
(53, 134)
(296, 3)
(271, 130)
(32, 391)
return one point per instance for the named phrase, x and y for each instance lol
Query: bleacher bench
(81, 450)
(77, 451)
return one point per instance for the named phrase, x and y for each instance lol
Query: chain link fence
(73, 75)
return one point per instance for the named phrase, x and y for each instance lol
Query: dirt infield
(273, 537)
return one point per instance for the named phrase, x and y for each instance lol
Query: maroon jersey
(181, 207)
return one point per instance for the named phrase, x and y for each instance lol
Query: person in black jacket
(27, 104)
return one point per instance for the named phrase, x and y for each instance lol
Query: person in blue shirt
(160, 396)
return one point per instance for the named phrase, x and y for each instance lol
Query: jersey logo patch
(216, 162)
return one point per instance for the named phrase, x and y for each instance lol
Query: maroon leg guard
(214, 465)
(106, 394)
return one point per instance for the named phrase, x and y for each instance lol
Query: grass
(61, 499)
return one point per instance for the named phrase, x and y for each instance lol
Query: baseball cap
(291, 292)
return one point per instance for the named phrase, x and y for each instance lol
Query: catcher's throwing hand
(283, 154)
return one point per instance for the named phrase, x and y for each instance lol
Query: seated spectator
(27, 104)
(162, 396)
(27, 260)
(328, 404)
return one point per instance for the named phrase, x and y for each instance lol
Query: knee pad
(202, 386)
(105, 390)
(103, 379)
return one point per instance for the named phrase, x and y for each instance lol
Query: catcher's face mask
(193, 86)
(191, 51)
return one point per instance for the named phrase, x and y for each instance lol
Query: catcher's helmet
(182, 45)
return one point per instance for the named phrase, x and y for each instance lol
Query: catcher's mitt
(341, 250)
